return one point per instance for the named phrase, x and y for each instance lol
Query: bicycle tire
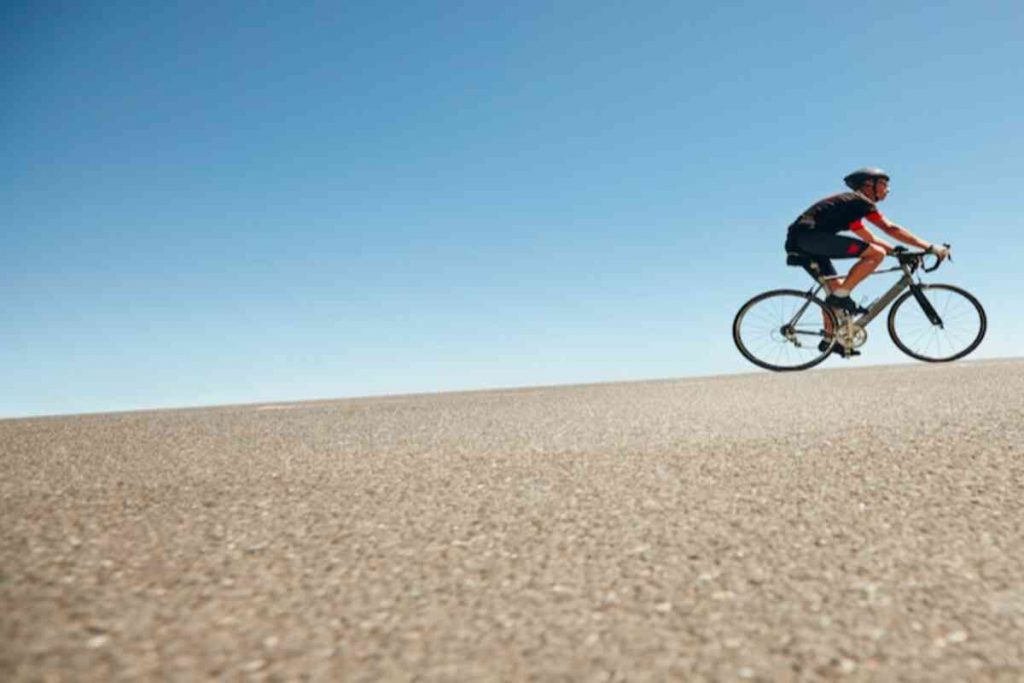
(968, 299)
(755, 356)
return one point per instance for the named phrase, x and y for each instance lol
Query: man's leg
(824, 272)
(839, 298)
(831, 285)
(869, 260)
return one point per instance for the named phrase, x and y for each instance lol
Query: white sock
(841, 292)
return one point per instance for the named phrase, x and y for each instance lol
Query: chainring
(851, 335)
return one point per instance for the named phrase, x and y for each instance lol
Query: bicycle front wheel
(956, 330)
(781, 330)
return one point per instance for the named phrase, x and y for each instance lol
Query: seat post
(823, 283)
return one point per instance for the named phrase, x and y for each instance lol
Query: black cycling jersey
(814, 233)
(836, 213)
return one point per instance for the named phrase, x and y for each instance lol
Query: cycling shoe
(844, 303)
(838, 349)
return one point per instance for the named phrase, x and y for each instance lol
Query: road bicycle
(788, 329)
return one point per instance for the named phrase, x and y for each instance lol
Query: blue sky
(231, 202)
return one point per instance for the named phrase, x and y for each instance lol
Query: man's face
(878, 188)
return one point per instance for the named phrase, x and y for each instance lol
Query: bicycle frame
(772, 323)
(879, 304)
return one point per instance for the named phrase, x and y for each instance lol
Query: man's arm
(863, 233)
(900, 233)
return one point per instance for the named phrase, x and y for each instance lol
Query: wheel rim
(764, 334)
(963, 325)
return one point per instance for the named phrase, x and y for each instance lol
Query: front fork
(926, 305)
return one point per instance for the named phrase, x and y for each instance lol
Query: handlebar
(915, 259)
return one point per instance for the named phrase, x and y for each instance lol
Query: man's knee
(873, 253)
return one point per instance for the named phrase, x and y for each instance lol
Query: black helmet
(857, 178)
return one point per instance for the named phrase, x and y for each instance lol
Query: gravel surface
(864, 524)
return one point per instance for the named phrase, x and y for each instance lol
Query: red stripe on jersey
(853, 249)
(856, 225)
(875, 217)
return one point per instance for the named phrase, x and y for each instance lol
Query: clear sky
(229, 202)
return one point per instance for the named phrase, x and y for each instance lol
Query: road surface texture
(857, 524)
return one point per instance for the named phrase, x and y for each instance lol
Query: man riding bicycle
(792, 329)
(815, 234)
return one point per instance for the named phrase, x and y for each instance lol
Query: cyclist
(815, 234)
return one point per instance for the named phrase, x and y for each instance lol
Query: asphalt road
(864, 524)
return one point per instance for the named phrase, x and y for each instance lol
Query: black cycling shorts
(822, 247)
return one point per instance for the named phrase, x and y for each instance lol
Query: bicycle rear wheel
(958, 329)
(780, 330)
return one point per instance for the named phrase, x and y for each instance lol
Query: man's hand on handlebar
(916, 258)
